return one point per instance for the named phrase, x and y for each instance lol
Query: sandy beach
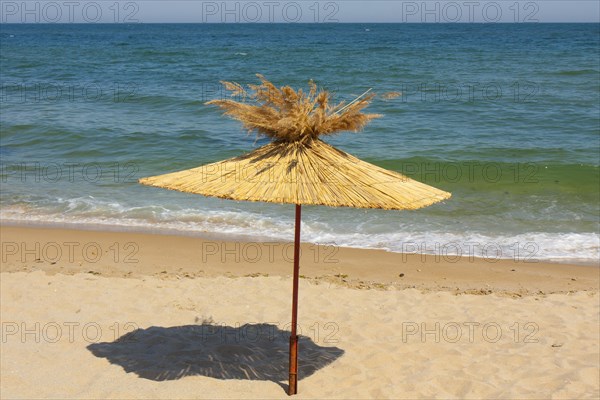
(90, 314)
(339, 200)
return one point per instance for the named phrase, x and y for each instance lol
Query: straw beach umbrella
(297, 167)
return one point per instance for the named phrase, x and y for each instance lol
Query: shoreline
(232, 237)
(133, 254)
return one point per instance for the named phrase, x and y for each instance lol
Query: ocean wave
(251, 226)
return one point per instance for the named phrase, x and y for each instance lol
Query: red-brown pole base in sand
(293, 386)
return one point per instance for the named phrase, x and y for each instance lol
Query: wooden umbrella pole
(293, 385)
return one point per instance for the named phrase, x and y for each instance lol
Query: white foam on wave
(531, 246)
(550, 246)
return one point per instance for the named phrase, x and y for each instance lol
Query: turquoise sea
(504, 116)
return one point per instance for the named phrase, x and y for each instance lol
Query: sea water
(504, 116)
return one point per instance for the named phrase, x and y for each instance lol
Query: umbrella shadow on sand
(250, 351)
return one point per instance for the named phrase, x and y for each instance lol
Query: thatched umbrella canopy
(297, 167)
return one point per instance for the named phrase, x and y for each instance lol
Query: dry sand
(208, 319)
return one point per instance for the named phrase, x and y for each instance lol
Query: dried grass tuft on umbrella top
(286, 115)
